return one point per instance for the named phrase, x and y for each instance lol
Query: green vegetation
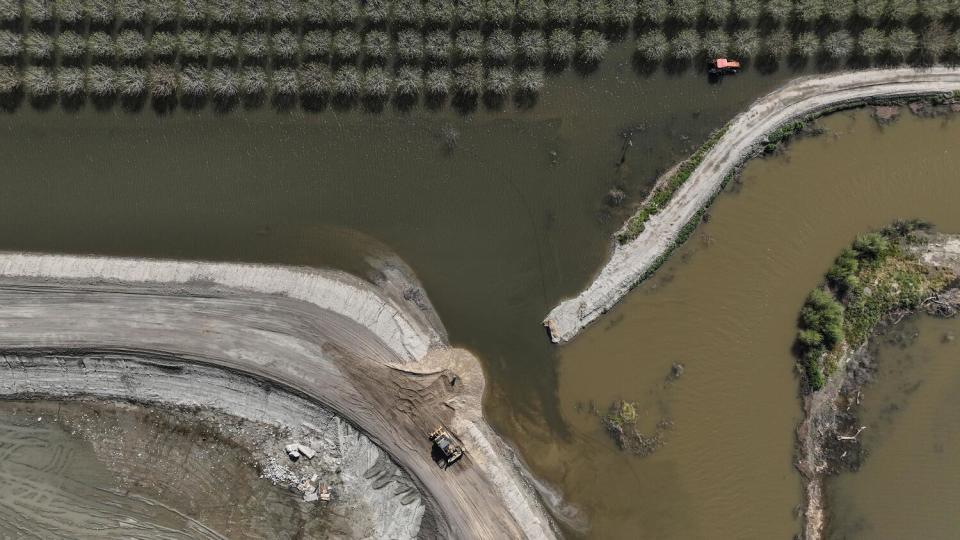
(219, 39)
(662, 193)
(872, 278)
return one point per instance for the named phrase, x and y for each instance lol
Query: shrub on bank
(131, 81)
(562, 12)
(407, 13)
(870, 10)
(468, 45)
(500, 12)
(716, 12)
(778, 11)
(347, 82)
(438, 13)
(621, 13)
(684, 11)
(315, 44)
(470, 12)
(410, 46)
(838, 45)
(253, 81)
(468, 79)
(499, 81)
(163, 81)
(871, 43)
(530, 81)
(163, 45)
(900, 43)
(778, 43)
(652, 12)
(500, 46)
(437, 82)
(345, 45)
(11, 44)
(376, 12)
(745, 10)
(437, 46)
(377, 83)
(716, 43)
(38, 82)
(377, 45)
(38, 45)
(532, 46)
(192, 81)
(285, 83)
(839, 10)
(68, 11)
(10, 80)
(592, 13)
(284, 45)
(38, 11)
(531, 12)
(100, 81)
(160, 12)
(10, 10)
(806, 44)
(192, 44)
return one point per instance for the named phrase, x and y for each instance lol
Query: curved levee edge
(632, 262)
(418, 346)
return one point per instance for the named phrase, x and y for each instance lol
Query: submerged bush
(192, 44)
(500, 46)
(838, 45)
(408, 82)
(192, 81)
(223, 83)
(131, 81)
(685, 45)
(778, 10)
(530, 81)
(315, 79)
(377, 83)
(653, 45)
(38, 81)
(409, 46)
(716, 43)
(100, 80)
(532, 46)
(163, 45)
(468, 79)
(531, 12)
(592, 13)
(38, 11)
(161, 11)
(437, 82)
(621, 13)
(653, 11)
(68, 11)
(11, 44)
(716, 11)
(778, 43)
(163, 81)
(806, 44)
(347, 82)
(470, 12)
(500, 12)
(10, 10)
(315, 43)
(284, 45)
(37, 45)
(438, 13)
(499, 81)
(254, 44)
(684, 11)
(223, 45)
(9, 79)
(562, 44)
(407, 12)
(746, 10)
(376, 12)
(592, 47)
(130, 11)
(871, 42)
(285, 82)
(344, 12)
(130, 45)
(561, 12)
(70, 81)
(469, 44)
(437, 46)
(871, 10)
(253, 81)
(377, 45)
(900, 43)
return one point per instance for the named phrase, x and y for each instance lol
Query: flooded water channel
(501, 214)
(909, 484)
(725, 307)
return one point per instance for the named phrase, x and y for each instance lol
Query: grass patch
(662, 195)
(873, 277)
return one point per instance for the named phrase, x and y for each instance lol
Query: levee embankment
(323, 337)
(633, 260)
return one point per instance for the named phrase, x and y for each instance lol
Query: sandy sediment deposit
(317, 352)
(631, 261)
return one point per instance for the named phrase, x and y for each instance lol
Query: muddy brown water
(909, 483)
(725, 306)
(499, 222)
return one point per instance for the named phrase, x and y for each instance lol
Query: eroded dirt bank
(116, 328)
(827, 437)
(631, 261)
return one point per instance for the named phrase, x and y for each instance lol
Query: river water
(725, 306)
(501, 214)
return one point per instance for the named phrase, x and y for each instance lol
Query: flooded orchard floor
(909, 483)
(725, 306)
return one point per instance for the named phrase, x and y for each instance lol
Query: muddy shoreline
(827, 437)
(337, 343)
(745, 135)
